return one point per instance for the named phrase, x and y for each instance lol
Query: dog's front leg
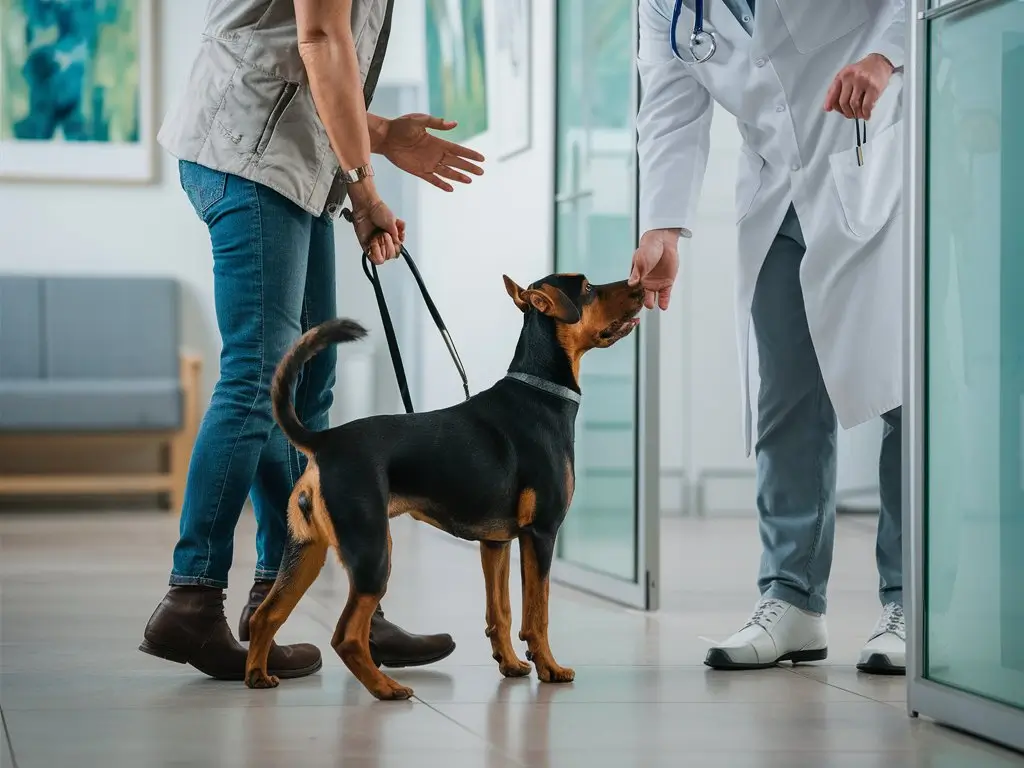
(535, 554)
(494, 556)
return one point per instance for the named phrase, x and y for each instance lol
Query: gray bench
(96, 358)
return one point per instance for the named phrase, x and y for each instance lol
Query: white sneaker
(777, 631)
(886, 650)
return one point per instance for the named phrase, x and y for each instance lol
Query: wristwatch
(357, 174)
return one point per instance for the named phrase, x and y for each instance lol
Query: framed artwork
(457, 65)
(512, 76)
(76, 90)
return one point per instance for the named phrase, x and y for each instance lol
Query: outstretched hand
(409, 146)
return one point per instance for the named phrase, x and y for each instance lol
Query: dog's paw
(514, 668)
(257, 678)
(392, 692)
(552, 673)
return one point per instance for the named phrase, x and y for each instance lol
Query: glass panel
(595, 211)
(974, 534)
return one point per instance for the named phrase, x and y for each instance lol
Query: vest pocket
(284, 100)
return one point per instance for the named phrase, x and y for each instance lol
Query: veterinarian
(820, 270)
(273, 136)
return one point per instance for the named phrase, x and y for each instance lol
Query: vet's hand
(409, 146)
(379, 231)
(856, 88)
(655, 266)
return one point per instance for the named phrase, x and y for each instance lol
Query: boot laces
(767, 612)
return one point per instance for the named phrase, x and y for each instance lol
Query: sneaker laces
(767, 612)
(892, 622)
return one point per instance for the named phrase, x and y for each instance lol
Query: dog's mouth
(621, 328)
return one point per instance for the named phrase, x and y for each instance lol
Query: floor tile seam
(839, 687)
(472, 732)
(7, 736)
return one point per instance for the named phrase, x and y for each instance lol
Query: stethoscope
(698, 37)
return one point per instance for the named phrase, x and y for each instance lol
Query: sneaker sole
(879, 664)
(167, 654)
(718, 658)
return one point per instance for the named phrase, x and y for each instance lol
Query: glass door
(967, 371)
(608, 543)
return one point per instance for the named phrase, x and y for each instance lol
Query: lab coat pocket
(870, 194)
(829, 21)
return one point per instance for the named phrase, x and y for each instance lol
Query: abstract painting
(457, 65)
(512, 76)
(76, 90)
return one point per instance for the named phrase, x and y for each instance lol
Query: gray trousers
(796, 447)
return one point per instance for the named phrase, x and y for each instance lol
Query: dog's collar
(546, 386)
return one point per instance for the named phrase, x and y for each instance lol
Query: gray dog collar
(546, 386)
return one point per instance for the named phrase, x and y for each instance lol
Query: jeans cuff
(196, 581)
(812, 603)
(891, 595)
(263, 574)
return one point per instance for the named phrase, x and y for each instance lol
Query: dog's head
(585, 316)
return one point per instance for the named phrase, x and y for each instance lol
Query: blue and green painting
(70, 70)
(457, 65)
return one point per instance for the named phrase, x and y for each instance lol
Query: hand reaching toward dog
(655, 266)
(406, 142)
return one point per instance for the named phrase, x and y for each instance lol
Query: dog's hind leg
(494, 556)
(369, 565)
(299, 568)
(535, 555)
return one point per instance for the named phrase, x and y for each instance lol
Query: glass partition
(968, 374)
(605, 544)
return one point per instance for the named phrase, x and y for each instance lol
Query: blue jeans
(273, 278)
(796, 447)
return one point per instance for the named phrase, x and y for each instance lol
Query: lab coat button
(780, 108)
(759, 63)
(795, 167)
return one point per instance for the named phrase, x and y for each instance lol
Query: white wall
(152, 230)
(465, 241)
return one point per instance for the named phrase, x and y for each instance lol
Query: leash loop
(370, 270)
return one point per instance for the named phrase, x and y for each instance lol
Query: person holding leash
(272, 136)
(815, 88)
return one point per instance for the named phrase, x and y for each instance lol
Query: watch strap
(357, 174)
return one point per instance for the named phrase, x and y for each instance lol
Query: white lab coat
(774, 83)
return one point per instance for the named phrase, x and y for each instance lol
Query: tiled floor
(74, 691)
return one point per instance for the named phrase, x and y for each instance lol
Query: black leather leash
(370, 270)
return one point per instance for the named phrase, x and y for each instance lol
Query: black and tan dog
(495, 468)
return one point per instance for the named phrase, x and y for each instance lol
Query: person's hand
(655, 265)
(380, 233)
(408, 145)
(856, 88)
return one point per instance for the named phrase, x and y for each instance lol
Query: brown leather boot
(189, 627)
(390, 645)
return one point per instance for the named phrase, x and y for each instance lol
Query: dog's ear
(552, 302)
(515, 292)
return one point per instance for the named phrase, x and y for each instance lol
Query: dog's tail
(312, 342)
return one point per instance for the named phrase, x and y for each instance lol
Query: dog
(495, 468)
